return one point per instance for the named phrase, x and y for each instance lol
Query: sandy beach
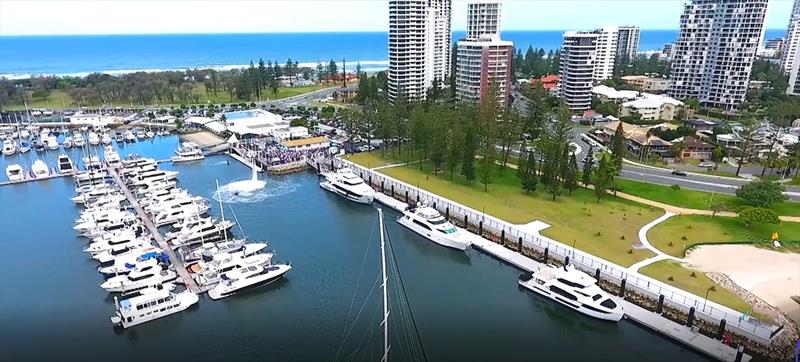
(772, 276)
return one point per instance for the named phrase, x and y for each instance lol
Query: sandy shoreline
(770, 275)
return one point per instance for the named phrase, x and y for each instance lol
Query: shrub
(675, 187)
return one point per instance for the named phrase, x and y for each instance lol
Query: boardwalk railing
(706, 310)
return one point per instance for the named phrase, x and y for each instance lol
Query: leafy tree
(320, 72)
(455, 146)
(603, 176)
(608, 108)
(469, 149)
(332, 71)
(761, 193)
(758, 215)
(618, 147)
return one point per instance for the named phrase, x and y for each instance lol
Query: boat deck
(162, 243)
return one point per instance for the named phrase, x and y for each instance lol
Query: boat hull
(574, 305)
(433, 236)
(221, 291)
(361, 199)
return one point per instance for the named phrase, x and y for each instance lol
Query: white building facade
(577, 69)
(483, 17)
(606, 53)
(791, 41)
(627, 42)
(713, 57)
(419, 46)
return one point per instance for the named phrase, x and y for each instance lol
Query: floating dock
(678, 332)
(176, 262)
(31, 179)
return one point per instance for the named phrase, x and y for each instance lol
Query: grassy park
(607, 229)
(698, 284)
(683, 231)
(694, 199)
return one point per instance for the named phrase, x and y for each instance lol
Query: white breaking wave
(368, 66)
(250, 191)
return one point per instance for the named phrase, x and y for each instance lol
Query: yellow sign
(774, 235)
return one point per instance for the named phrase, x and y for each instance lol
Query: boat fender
(525, 277)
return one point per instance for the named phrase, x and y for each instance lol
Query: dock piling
(739, 353)
(721, 329)
(519, 248)
(690, 318)
(546, 250)
(597, 274)
(660, 306)
(622, 288)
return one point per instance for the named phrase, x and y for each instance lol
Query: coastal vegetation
(694, 281)
(259, 81)
(679, 233)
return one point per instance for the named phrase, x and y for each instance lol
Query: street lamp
(710, 289)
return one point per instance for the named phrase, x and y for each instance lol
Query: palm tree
(678, 148)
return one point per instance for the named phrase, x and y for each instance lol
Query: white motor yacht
(243, 279)
(51, 142)
(113, 219)
(157, 175)
(24, 133)
(189, 151)
(105, 139)
(155, 186)
(92, 163)
(151, 305)
(574, 289)
(128, 263)
(135, 280)
(40, 169)
(140, 134)
(150, 134)
(68, 142)
(129, 136)
(210, 269)
(429, 223)
(9, 147)
(94, 139)
(119, 137)
(15, 172)
(156, 207)
(223, 247)
(65, 165)
(111, 156)
(109, 257)
(173, 216)
(200, 233)
(78, 140)
(24, 147)
(345, 183)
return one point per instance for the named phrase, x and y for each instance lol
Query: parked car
(679, 173)
(707, 164)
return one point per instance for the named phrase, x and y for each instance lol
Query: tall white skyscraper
(713, 57)
(577, 68)
(794, 79)
(419, 46)
(606, 54)
(483, 59)
(483, 17)
(628, 42)
(791, 42)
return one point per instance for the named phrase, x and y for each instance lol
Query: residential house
(652, 107)
(549, 82)
(696, 148)
(606, 93)
(638, 139)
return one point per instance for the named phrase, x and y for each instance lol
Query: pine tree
(603, 177)
(588, 167)
(527, 170)
(571, 177)
(618, 147)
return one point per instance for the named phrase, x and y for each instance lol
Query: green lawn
(704, 229)
(682, 278)
(607, 229)
(59, 99)
(388, 156)
(693, 199)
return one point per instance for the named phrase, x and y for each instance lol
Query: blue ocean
(21, 56)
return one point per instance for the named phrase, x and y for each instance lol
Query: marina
(309, 297)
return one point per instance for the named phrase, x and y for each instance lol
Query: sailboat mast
(385, 292)
(221, 209)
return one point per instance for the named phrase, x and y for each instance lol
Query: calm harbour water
(467, 305)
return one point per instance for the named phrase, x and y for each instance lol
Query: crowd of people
(277, 154)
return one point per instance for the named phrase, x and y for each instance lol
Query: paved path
(660, 255)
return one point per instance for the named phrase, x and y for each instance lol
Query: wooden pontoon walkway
(178, 263)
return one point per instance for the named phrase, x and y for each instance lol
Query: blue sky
(46, 17)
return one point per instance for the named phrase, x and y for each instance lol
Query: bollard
(332, 165)
(519, 249)
(406, 196)
(370, 180)
(466, 224)
(447, 213)
(597, 274)
(434, 204)
(545, 255)
(503, 237)
(418, 198)
(721, 330)
(480, 228)
(622, 288)
(382, 187)
(319, 170)
(392, 190)
(660, 306)
(566, 260)
(690, 318)
(739, 353)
